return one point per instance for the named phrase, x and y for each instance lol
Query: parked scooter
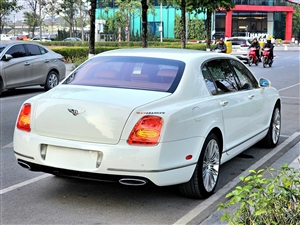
(266, 58)
(252, 57)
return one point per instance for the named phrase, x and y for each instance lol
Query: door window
(224, 78)
(17, 51)
(209, 80)
(35, 50)
(247, 80)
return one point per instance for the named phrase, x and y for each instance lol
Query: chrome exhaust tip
(132, 182)
(24, 165)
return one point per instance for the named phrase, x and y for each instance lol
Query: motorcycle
(267, 58)
(252, 57)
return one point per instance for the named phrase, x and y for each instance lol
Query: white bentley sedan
(149, 116)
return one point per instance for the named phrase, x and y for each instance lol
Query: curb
(269, 159)
(205, 208)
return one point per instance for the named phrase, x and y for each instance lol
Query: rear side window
(241, 42)
(35, 50)
(129, 72)
(222, 75)
(247, 80)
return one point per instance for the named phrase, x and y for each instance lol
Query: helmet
(221, 39)
(269, 41)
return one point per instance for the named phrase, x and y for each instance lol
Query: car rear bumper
(164, 164)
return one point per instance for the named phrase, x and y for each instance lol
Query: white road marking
(289, 97)
(213, 200)
(289, 87)
(10, 145)
(22, 184)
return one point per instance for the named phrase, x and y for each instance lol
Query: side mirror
(263, 82)
(7, 57)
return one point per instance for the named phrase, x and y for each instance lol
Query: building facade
(248, 18)
(256, 18)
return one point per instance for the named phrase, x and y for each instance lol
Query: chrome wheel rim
(211, 165)
(52, 80)
(276, 126)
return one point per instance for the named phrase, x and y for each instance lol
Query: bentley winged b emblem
(75, 112)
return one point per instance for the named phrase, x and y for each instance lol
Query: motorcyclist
(221, 46)
(269, 45)
(256, 45)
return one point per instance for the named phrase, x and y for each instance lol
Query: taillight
(62, 59)
(146, 131)
(23, 122)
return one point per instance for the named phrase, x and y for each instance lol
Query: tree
(83, 12)
(184, 6)
(128, 9)
(31, 17)
(92, 13)
(144, 23)
(296, 21)
(68, 9)
(52, 11)
(7, 7)
(209, 6)
(196, 28)
(196, 7)
(41, 16)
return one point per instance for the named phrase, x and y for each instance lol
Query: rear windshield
(240, 41)
(141, 73)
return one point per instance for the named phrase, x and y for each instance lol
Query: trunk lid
(88, 114)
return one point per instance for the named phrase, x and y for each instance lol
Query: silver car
(240, 46)
(29, 63)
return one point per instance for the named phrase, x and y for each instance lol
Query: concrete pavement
(287, 152)
(291, 156)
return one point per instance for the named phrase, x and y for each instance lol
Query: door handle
(26, 64)
(250, 96)
(46, 60)
(224, 103)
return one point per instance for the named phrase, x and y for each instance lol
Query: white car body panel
(100, 117)
(99, 133)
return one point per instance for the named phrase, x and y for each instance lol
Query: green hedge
(73, 53)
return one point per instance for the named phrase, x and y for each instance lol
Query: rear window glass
(141, 73)
(240, 41)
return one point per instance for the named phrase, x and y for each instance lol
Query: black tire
(264, 62)
(250, 61)
(256, 62)
(206, 174)
(52, 80)
(272, 137)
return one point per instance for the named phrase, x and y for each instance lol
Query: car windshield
(141, 73)
(240, 41)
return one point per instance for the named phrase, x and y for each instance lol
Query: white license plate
(70, 158)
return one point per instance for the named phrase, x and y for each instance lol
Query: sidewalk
(69, 68)
(291, 157)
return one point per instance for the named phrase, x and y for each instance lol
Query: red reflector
(23, 122)
(188, 157)
(146, 131)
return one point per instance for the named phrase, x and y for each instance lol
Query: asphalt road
(37, 198)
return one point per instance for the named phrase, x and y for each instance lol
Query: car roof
(13, 42)
(243, 38)
(184, 55)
